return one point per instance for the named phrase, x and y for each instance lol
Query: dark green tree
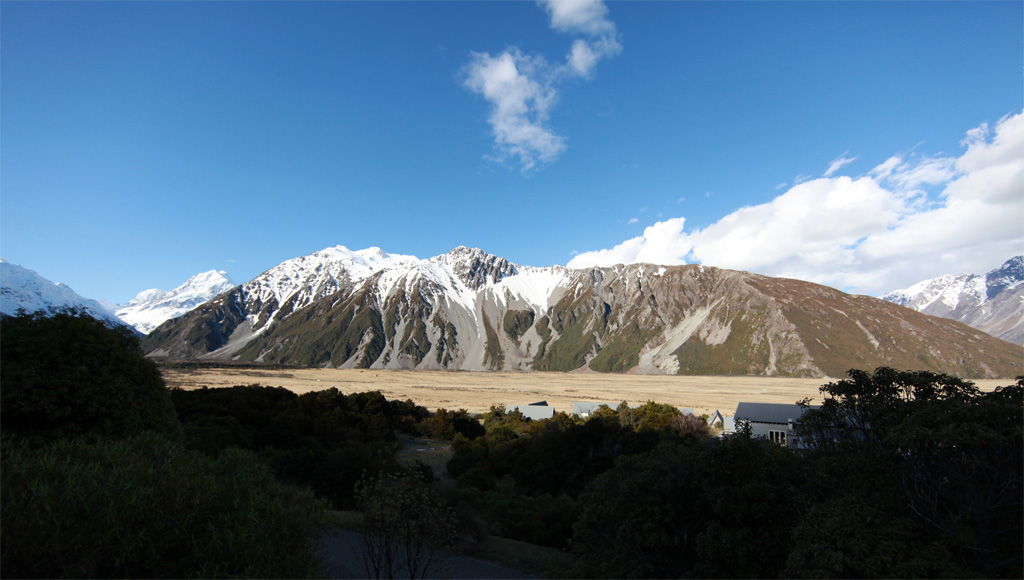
(70, 374)
(921, 464)
(144, 507)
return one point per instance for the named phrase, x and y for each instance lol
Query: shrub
(69, 374)
(144, 507)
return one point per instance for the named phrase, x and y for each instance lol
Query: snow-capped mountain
(470, 310)
(992, 302)
(21, 288)
(151, 308)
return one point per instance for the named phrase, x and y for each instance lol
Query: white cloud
(633, 221)
(521, 89)
(579, 16)
(662, 243)
(909, 176)
(810, 221)
(519, 106)
(872, 234)
(838, 163)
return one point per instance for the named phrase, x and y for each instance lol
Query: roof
(582, 408)
(535, 412)
(769, 412)
(687, 410)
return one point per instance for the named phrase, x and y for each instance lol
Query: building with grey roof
(772, 421)
(724, 422)
(533, 411)
(584, 409)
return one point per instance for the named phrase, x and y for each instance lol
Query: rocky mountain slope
(993, 302)
(151, 308)
(21, 288)
(469, 310)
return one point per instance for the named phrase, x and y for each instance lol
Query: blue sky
(861, 145)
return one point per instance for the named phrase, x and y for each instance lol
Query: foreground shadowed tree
(69, 374)
(144, 507)
(916, 474)
(719, 509)
(407, 530)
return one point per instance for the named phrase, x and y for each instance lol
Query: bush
(69, 374)
(144, 507)
(407, 529)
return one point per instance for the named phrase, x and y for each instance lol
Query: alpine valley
(469, 310)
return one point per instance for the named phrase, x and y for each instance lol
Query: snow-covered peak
(978, 300)
(945, 293)
(151, 308)
(1006, 277)
(358, 264)
(21, 288)
(475, 267)
(305, 279)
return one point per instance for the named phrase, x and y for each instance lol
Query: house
(534, 411)
(715, 419)
(728, 425)
(772, 421)
(688, 411)
(724, 422)
(585, 409)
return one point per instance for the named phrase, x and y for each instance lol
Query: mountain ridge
(151, 308)
(992, 302)
(24, 289)
(470, 310)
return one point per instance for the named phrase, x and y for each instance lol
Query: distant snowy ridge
(151, 308)
(24, 289)
(993, 302)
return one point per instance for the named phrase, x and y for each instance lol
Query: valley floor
(477, 391)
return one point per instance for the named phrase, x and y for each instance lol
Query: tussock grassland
(477, 391)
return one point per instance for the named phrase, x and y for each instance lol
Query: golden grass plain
(478, 391)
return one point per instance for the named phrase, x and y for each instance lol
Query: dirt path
(340, 553)
(477, 391)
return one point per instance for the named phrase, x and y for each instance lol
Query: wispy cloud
(633, 221)
(521, 88)
(879, 232)
(838, 163)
